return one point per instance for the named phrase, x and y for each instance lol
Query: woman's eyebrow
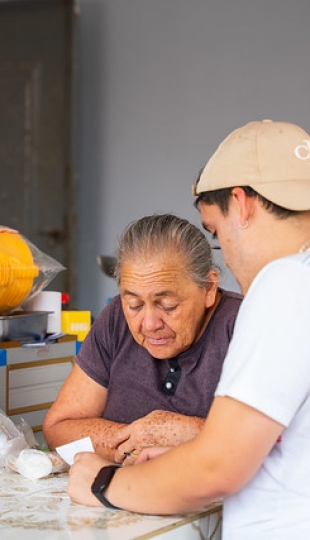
(127, 292)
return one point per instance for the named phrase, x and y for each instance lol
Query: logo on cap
(303, 150)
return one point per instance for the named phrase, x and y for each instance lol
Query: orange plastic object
(17, 269)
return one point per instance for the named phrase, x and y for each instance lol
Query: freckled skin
(165, 310)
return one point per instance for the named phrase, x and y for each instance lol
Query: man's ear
(243, 204)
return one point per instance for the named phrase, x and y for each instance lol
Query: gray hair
(157, 234)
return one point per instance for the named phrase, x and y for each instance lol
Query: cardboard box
(76, 322)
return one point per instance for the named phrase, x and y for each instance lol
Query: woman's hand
(81, 476)
(158, 428)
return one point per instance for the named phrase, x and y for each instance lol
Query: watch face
(103, 478)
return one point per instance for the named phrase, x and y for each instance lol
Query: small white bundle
(34, 464)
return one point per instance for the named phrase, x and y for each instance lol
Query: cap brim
(281, 193)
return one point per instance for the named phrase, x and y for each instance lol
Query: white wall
(161, 83)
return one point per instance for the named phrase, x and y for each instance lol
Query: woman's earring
(245, 226)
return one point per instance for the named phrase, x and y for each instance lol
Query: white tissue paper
(68, 451)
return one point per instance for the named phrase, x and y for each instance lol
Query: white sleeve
(268, 362)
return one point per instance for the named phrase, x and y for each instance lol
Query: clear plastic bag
(12, 440)
(19, 451)
(24, 269)
(48, 269)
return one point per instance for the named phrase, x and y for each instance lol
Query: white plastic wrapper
(34, 464)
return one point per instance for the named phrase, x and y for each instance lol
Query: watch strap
(98, 489)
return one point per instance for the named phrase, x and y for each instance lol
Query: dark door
(37, 176)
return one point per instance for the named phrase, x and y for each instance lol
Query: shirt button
(168, 385)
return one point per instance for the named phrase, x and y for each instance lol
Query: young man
(254, 195)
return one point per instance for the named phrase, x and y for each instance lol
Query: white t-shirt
(268, 367)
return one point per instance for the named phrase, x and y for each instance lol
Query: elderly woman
(146, 373)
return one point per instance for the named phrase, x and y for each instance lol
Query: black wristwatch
(101, 483)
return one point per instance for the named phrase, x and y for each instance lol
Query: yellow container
(17, 269)
(76, 322)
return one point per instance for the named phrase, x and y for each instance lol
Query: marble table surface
(41, 509)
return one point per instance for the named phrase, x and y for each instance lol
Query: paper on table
(68, 451)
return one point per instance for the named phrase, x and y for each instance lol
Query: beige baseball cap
(271, 157)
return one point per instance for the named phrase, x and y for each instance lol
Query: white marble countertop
(33, 510)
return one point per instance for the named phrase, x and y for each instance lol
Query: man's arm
(77, 412)
(219, 461)
(158, 428)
